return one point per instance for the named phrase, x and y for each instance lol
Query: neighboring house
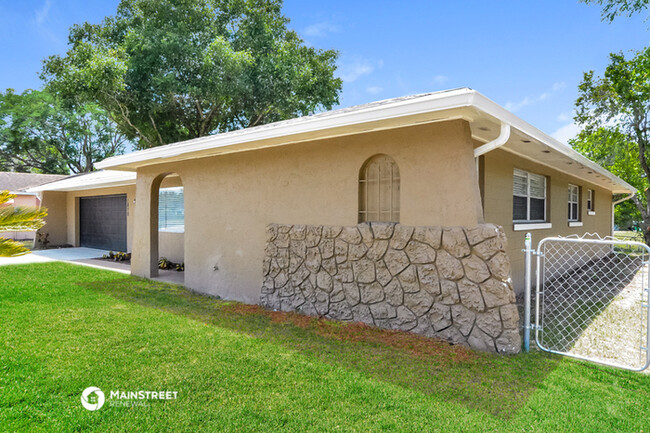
(453, 160)
(17, 183)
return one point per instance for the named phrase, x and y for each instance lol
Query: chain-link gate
(591, 300)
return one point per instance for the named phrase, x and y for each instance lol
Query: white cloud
(321, 30)
(559, 86)
(563, 117)
(41, 14)
(352, 71)
(373, 90)
(566, 132)
(531, 100)
(516, 106)
(440, 79)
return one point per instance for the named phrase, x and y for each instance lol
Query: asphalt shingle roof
(16, 182)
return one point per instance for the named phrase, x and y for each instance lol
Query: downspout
(503, 137)
(614, 203)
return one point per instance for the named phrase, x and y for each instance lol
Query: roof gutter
(503, 137)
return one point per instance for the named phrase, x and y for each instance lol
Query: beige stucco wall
(230, 199)
(56, 222)
(172, 246)
(497, 170)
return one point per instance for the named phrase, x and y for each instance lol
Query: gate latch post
(528, 251)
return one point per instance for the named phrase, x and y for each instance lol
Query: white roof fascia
(94, 180)
(340, 118)
(492, 108)
(23, 193)
(373, 112)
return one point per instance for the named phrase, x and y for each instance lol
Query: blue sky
(528, 56)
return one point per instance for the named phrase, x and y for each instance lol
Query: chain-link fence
(592, 300)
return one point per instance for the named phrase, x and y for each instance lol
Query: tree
(613, 112)
(614, 8)
(17, 219)
(611, 149)
(38, 133)
(171, 70)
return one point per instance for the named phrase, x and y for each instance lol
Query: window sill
(575, 223)
(531, 226)
(179, 230)
(591, 212)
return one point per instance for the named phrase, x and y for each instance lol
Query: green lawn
(238, 368)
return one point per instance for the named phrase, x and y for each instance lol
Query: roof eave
(318, 127)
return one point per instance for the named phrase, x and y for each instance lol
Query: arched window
(379, 190)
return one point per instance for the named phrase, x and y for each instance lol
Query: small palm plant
(16, 219)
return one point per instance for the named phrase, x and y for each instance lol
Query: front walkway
(86, 257)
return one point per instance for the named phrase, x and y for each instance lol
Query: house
(17, 184)
(301, 214)
(95, 210)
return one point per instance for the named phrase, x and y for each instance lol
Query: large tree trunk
(645, 215)
(646, 232)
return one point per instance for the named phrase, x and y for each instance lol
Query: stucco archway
(166, 222)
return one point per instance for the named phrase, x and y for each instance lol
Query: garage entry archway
(102, 222)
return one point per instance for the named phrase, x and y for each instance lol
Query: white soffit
(484, 116)
(96, 179)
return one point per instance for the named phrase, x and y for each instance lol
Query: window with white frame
(590, 201)
(529, 197)
(574, 203)
(379, 186)
(171, 210)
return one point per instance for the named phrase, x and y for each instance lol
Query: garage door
(102, 222)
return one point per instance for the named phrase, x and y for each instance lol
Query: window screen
(590, 200)
(574, 202)
(528, 197)
(171, 210)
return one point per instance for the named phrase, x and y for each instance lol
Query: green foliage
(627, 216)
(165, 263)
(614, 8)
(15, 219)
(613, 112)
(171, 70)
(611, 149)
(38, 133)
(119, 256)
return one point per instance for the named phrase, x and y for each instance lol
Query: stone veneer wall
(450, 283)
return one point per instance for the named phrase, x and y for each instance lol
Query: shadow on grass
(498, 385)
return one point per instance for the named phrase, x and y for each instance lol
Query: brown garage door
(102, 222)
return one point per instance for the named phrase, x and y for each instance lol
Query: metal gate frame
(529, 251)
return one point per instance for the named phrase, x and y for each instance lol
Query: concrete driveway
(86, 257)
(81, 255)
(59, 254)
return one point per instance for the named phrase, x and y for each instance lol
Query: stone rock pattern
(451, 283)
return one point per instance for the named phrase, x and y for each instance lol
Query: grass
(240, 368)
(628, 235)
